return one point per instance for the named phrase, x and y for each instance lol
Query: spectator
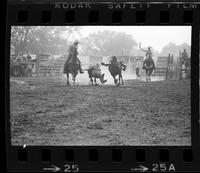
(29, 58)
(137, 67)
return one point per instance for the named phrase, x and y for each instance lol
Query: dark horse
(148, 66)
(96, 75)
(115, 68)
(72, 67)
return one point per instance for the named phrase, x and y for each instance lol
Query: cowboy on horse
(73, 52)
(148, 63)
(73, 64)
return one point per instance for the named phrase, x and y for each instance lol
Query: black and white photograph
(100, 85)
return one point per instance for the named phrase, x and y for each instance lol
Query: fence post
(38, 65)
(172, 68)
(180, 69)
(167, 68)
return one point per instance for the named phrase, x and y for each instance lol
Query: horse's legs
(115, 80)
(147, 75)
(68, 79)
(119, 79)
(150, 72)
(95, 81)
(91, 80)
(122, 79)
(74, 79)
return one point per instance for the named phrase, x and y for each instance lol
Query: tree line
(56, 40)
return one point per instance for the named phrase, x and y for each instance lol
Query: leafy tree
(108, 43)
(42, 39)
(19, 38)
(174, 49)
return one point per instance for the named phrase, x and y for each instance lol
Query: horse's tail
(104, 64)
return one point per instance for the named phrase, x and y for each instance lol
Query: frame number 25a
(162, 167)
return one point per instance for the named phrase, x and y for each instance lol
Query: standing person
(184, 54)
(29, 58)
(73, 52)
(185, 63)
(184, 57)
(137, 67)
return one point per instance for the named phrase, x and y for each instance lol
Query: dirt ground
(44, 111)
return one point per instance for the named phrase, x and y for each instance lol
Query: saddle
(70, 60)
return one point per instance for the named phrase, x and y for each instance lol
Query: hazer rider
(148, 63)
(148, 52)
(73, 52)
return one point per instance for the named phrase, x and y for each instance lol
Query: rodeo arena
(81, 100)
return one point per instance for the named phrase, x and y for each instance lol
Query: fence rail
(55, 67)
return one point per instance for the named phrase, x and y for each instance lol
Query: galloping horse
(148, 66)
(72, 67)
(115, 68)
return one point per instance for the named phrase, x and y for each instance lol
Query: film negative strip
(102, 86)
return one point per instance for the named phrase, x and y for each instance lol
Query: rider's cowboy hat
(76, 42)
(98, 64)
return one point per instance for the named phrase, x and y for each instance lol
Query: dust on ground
(44, 111)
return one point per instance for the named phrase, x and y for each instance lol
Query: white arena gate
(51, 67)
(161, 66)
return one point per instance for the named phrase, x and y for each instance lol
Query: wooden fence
(49, 67)
(172, 70)
(54, 67)
(161, 66)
